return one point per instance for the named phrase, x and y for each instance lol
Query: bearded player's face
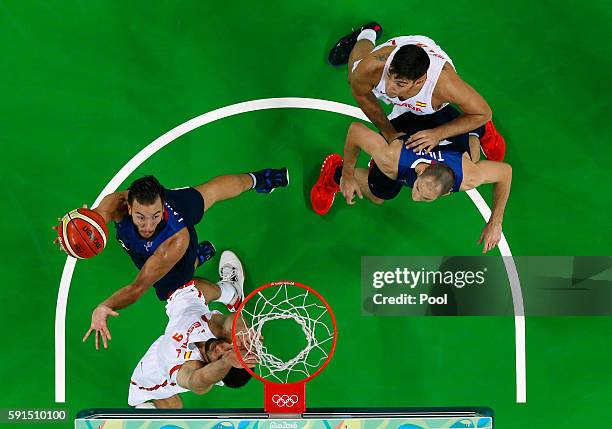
(146, 217)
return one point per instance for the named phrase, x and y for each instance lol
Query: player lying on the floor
(156, 227)
(415, 75)
(393, 166)
(195, 351)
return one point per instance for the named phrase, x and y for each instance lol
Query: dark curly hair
(410, 62)
(146, 190)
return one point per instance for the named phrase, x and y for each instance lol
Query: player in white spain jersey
(415, 75)
(195, 351)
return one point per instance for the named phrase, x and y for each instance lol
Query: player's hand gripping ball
(82, 233)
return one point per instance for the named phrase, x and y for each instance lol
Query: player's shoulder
(472, 176)
(449, 83)
(369, 71)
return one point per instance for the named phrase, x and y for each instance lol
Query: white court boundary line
(251, 106)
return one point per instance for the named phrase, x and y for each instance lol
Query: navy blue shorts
(381, 185)
(190, 204)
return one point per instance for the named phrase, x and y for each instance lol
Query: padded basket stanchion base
(285, 398)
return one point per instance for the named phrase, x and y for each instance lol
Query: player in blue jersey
(393, 166)
(156, 227)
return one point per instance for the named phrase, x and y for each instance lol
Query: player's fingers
(349, 196)
(84, 206)
(87, 334)
(359, 193)
(113, 313)
(494, 243)
(106, 332)
(104, 341)
(412, 144)
(416, 136)
(97, 340)
(54, 227)
(418, 146)
(346, 193)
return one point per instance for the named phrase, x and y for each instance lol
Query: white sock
(254, 180)
(367, 34)
(228, 292)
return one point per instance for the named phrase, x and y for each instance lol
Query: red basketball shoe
(492, 143)
(324, 191)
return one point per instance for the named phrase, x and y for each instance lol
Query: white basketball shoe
(231, 271)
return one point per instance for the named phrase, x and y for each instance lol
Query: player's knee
(387, 161)
(356, 127)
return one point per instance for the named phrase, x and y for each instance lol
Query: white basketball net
(287, 301)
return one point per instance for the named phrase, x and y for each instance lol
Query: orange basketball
(82, 233)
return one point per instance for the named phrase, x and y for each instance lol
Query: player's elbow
(487, 114)
(387, 160)
(508, 172)
(355, 128)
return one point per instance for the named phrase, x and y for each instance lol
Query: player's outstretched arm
(113, 207)
(363, 80)
(157, 266)
(500, 175)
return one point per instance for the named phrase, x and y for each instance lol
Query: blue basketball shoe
(205, 251)
(266, 181)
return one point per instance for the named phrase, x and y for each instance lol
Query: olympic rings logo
(285, 400)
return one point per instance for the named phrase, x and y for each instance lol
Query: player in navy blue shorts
(156, 227)
(447, 169)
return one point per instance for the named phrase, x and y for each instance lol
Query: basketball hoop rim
(327, 306)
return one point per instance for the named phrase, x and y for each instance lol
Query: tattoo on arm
(382, 57)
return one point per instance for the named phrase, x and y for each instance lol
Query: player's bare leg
(224, 188)
(361, 176)
(210, 290)
(474, 148)
(361, 50)
(231, 185)
(173, 402)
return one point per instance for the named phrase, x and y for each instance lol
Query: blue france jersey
(406, 173)
(140, 249)
(183, 208)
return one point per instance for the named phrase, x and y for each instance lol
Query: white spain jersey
(155, 375)
(420, 104)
